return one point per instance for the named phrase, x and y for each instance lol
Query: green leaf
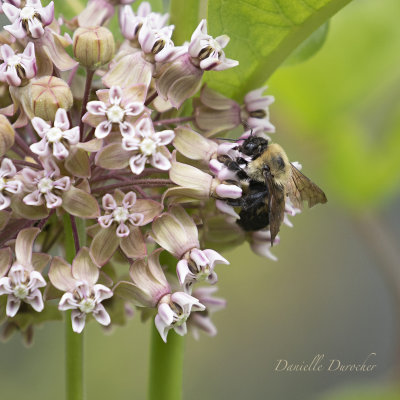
(186, 15)
(309, 47)
(263, 34)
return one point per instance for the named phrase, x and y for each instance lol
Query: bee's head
(253, 146)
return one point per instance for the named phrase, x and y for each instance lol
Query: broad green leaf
(344, 105)
(309, 47)
(263, 33)
(185, 15)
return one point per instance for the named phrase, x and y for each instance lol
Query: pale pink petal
(137, 163)
(5, 285)
(182, 270)
(109, 202)
(115, 95)
(101, 292)
(40, 126)
(164, 137)
(129, 200)
(165, 313)
(35, 300)
(101, 315)
(11, 12)
(162, 327)
(16, 29)
(41, 148)
(67, 302)
(7, 168)
(61, 119)
(214, 257)
(63, 183)
(52, 200)
(60, 151)
(130, 143)
(14, 186)
(36, 281)
(158, 160)
(35, 28)
(103, 129)
(224, 207)
(13, 304)
(105, 221)
(122, 230)
(134, 108)
(126, 129)
(33, 199)
(47, 13)
(78, 321)
(96, 108)
(72, 135)
(6, 52)
(136, 219)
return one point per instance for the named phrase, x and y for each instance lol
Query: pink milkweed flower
(201, 321)
(176, 232)
(120, 215)
(182, 78)
(29, 20)
(21, 279)
(148, 146)
(206, 52)
(120, 226)
(173, 311)
(116, 107)
(157, 42)
(56, 139)
(18, 68)
(45, 186)
(83, 295)
(131, 23)
(150, 288)
(8, 185)
(216, 113)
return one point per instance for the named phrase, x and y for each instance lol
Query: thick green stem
(166, 366)
(73, 341)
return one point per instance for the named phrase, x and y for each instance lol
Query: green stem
(166, 366)
(73, 341)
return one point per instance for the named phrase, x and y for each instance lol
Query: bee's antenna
(227, 139)
(246, 125)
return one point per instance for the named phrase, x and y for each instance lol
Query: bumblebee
(268, 179)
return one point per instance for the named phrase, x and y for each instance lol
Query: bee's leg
(235, 202)
(234, 166)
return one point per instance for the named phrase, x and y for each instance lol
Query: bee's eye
(280, 163)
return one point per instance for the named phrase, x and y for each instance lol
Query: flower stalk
(74, 343)
(166, 367)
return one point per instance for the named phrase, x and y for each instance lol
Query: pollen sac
(93, 46)
(48, 95)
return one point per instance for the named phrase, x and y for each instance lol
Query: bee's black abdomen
(254, 212)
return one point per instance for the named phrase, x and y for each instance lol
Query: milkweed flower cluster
(147, 180)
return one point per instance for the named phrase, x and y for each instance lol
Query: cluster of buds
(145, 181)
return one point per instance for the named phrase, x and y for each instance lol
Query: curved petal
(103, 129)
(35, 299)
(40, 126)
(96, 108)
(137, 163)
(101, 315)
(164, 137)
(115, 95)
(61, 119)
(78, 319)
(129, 200)
(158, 160)
(13, 304)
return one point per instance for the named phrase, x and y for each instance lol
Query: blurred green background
(335, 289)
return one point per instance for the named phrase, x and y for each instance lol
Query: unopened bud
(94, 46)
(48, 95)
(6, 135)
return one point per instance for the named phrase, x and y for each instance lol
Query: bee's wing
(299, 188)
(276, 206)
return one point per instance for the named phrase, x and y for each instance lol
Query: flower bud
(48, 95)
(94, 46)
(6, 135)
